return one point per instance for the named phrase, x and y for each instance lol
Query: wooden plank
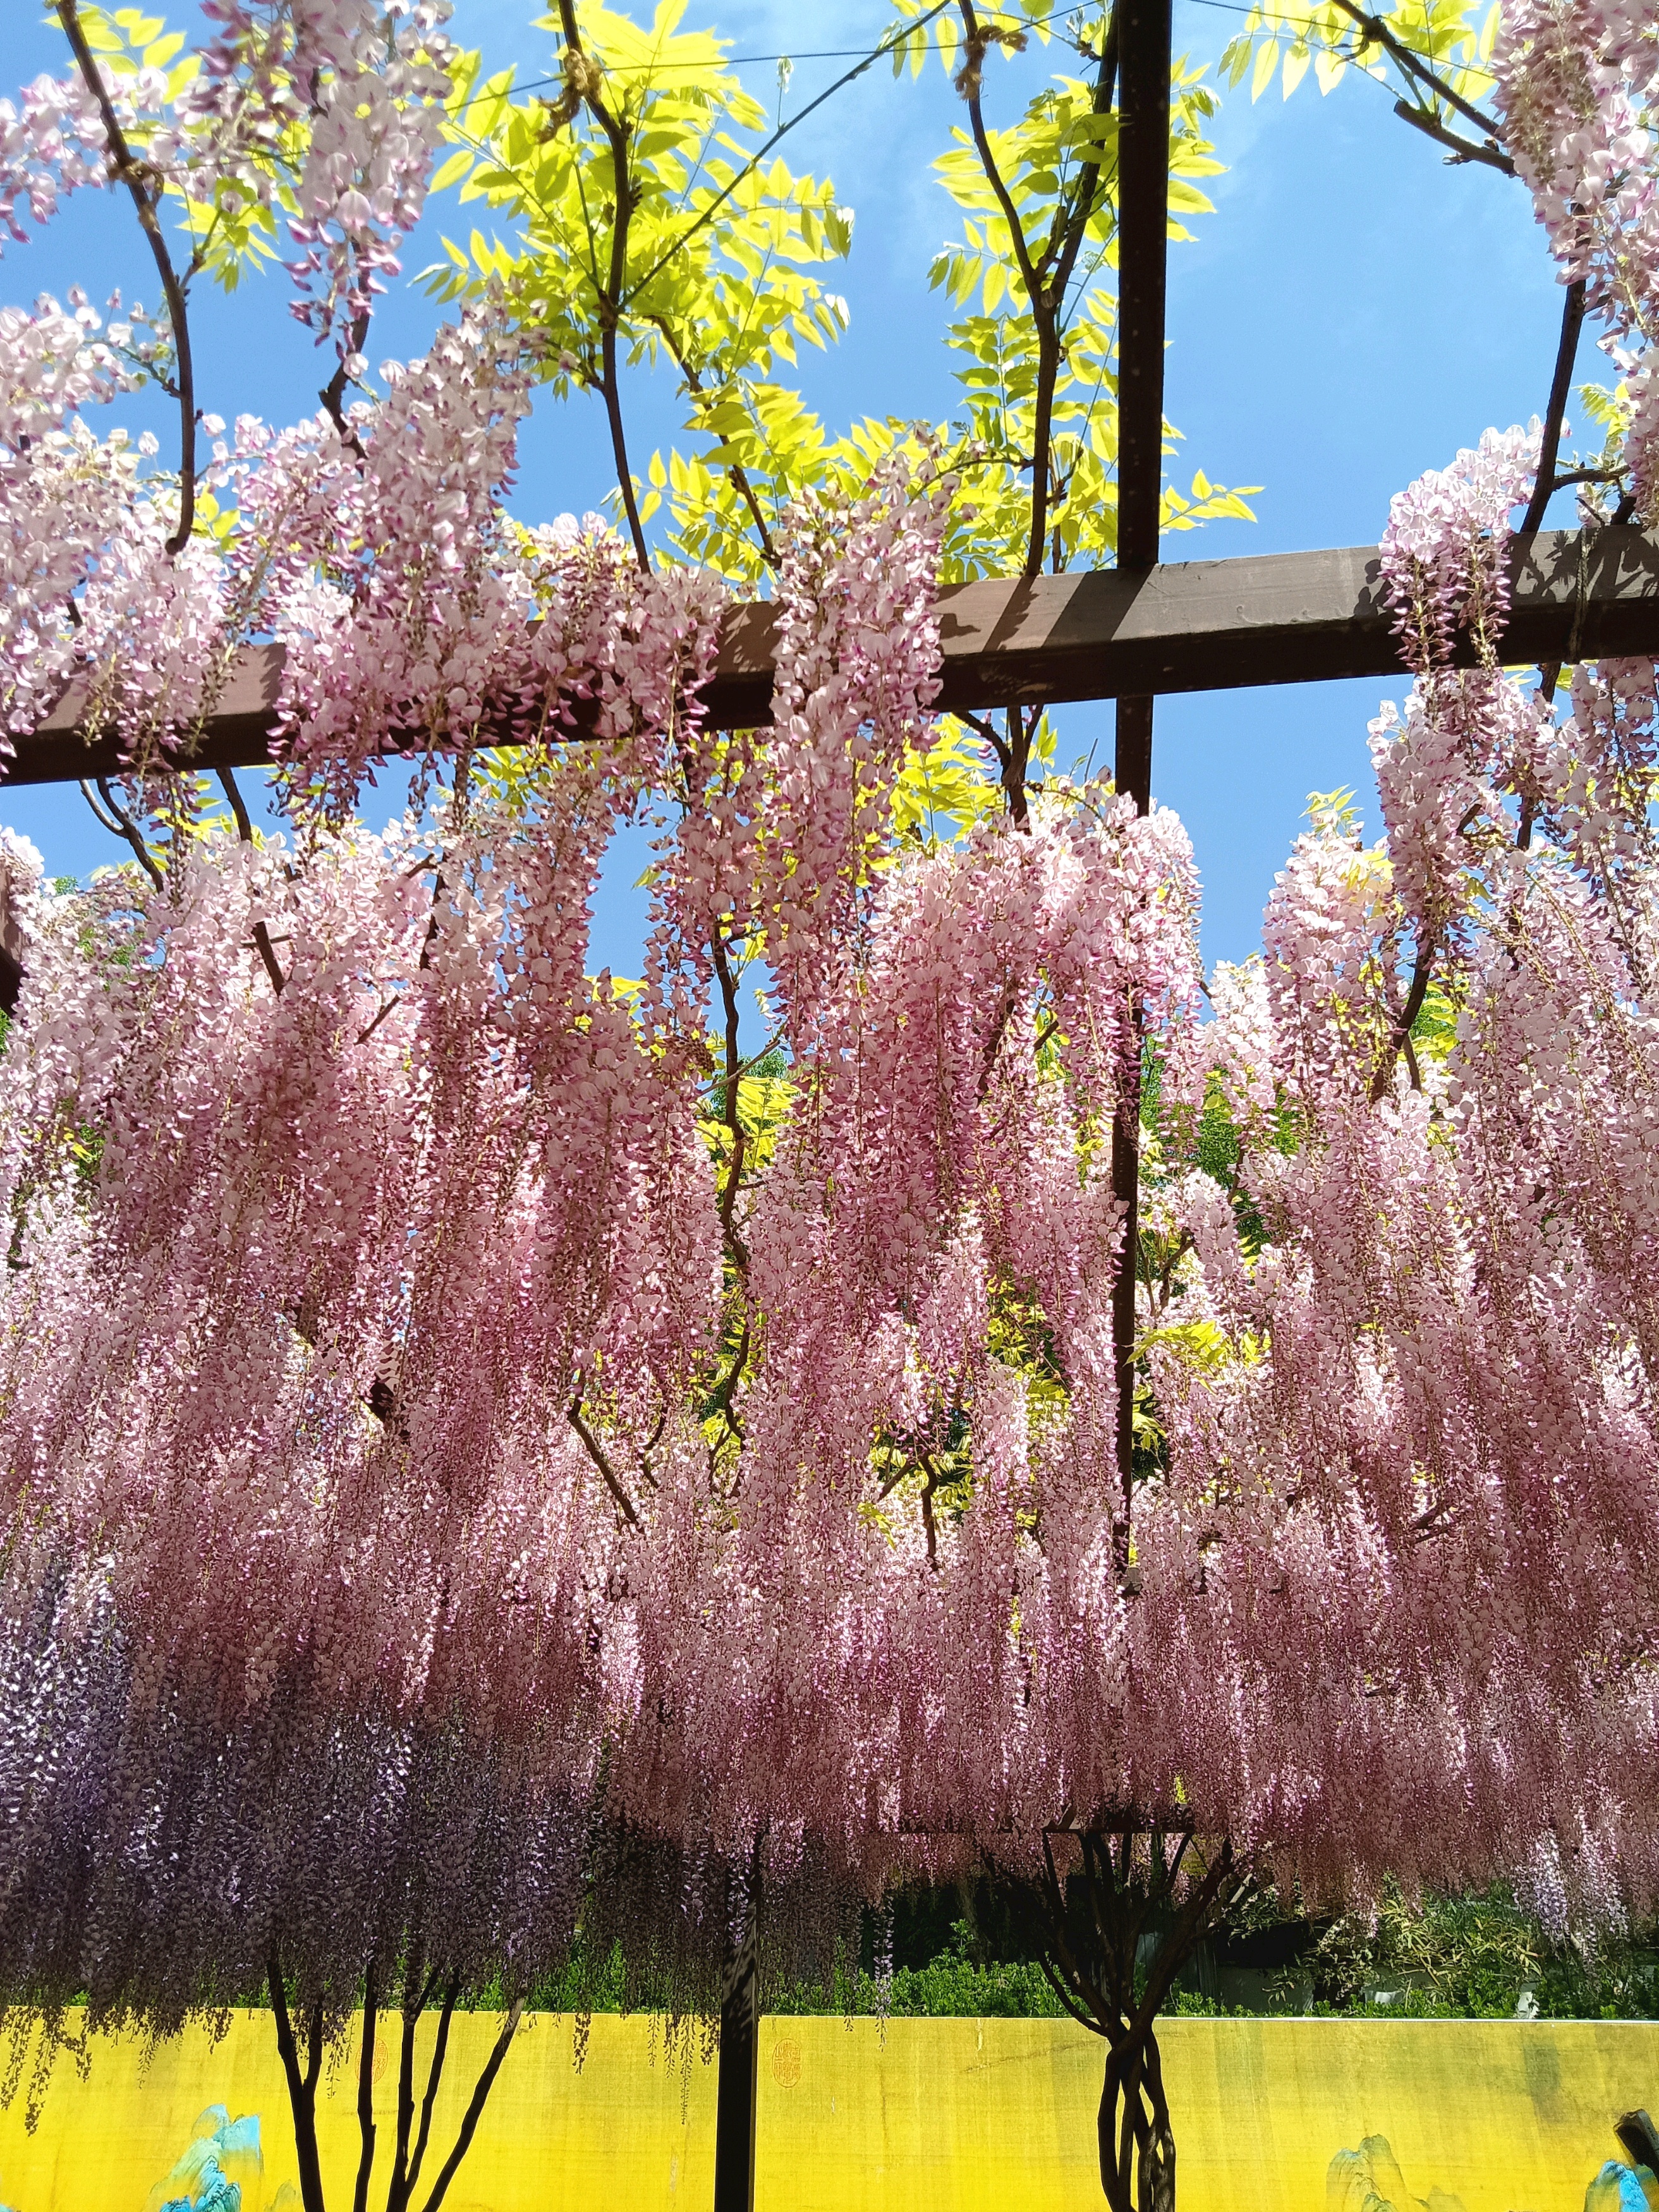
(1184, 626)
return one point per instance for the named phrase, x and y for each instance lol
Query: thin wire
(741, 61)
(938, 46)
(726, 61)
(1307, 23)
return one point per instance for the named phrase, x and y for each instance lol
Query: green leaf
(1235, 59)
(450, 171)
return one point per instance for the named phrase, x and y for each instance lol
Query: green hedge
(1457, 1958)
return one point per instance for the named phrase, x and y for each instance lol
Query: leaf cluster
(1287, 41)
(1474, 1957)
(638, 212)
(1035, 186)
(669, 234)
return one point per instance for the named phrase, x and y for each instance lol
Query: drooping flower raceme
(1441, 766)
(66, 499)
(421, 1349)
(51, 143)
(356, 87)
(770, 1489)
(1578, 87)
(1421, 1294)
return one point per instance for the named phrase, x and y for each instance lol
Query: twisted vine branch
(142, 184)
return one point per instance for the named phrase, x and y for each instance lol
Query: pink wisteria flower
(485, 1442)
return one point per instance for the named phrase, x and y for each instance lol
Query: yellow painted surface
(971, 2115)
(934, 2116)
(631, 2129)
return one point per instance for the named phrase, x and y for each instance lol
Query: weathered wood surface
(1184, 626)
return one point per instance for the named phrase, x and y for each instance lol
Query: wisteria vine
(492, 1465)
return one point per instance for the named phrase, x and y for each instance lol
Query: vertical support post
(11, 955)
(738, 2082)
(1143, 169)
(1134, 775)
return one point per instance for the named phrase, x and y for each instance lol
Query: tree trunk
(1139, 1885)
(301, 2085)
(1137, 2142)
(1156, 2169)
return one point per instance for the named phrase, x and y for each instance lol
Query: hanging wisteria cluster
(1578, 87)
(397, 1308)
(359, 83)
(1434, 1307)
(486, 1454)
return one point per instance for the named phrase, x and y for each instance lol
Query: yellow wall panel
(931, 2115)
(965, 2116)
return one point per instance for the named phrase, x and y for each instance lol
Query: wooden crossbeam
(1184, 626)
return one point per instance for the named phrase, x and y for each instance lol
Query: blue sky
(1355, 311)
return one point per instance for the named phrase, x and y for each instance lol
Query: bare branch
(1566, 352)
(238, 806)
(141, 183)
(737, 475)
(596, 1452)
(302, 2089)
(732, 1183)
(584, 78)
(1072, 219)
(1400, 1038)
(986, 732)
(364, 1035)
(120, 823)
(929, 1467)
(1462, 150)
(1043, 306)
(333, 394)
(1376, 32)
(433, 2075)
(475, 2109)
(267, 953)
(365, 2095)
(1563, 477)
(968, 84)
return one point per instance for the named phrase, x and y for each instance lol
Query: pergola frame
(1132, 632)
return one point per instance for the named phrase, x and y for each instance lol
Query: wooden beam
(1185, 626)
